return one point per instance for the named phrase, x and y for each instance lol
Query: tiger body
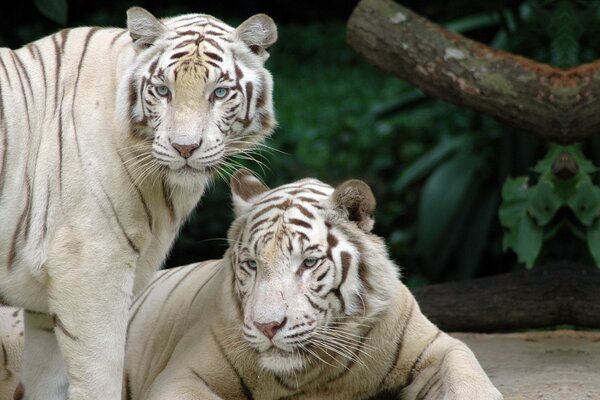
(306, 304)
(108, 138)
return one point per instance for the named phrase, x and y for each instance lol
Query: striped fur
(352, 330)
(108, 138)
(305, 304)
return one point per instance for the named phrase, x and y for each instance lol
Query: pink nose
(185, 150)
(270, 328)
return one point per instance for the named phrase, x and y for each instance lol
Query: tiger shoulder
(306, 304)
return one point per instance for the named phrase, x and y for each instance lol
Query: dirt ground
(554, 365)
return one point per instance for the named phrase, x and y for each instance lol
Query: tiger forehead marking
(287, 213)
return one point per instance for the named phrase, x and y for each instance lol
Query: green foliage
(531, 213)
(55, 10)
(437, 170)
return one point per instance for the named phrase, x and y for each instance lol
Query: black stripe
(197, 375)
(213, 42)
(314, 305)
(214, 65)
(399, 343)
(4, 132)
(116, 37)
(177, 56)
(5, 358)
(12, 253)
(185, 43)
(86, 45)
(43, 66)
(279, 206)
(28, 208)
(28, 79)
(140, 195)
(58, 324)
(249, 93)
(60, 144)
(299, 222)
(423, 393)
(304, 211)
(142, 297)
(193, 299)
(127, 387)
(132, 245)
(59, 50)
(28, 116)
(413, 369)
(46, 213)
(245, 389)
(214, 56)
(168, 202)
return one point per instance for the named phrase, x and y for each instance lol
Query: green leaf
(427, 162)
(56, 10)
(523, 235)
(526, 241)
(515, 197)
(585, 202)
(543, 202)
(442, 198)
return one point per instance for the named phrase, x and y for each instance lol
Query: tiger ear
(144, 28)
(245, 187)
(258, 32)
(355, 198)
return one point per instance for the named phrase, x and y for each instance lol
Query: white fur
(92, 192)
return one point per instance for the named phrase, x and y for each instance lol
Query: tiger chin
(108, 139)
(305, 304)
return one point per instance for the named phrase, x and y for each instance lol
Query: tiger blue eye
(310, 262)
(220, 92)
(251, 264)
(162, 90)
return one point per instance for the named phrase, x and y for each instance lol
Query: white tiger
(306, 304)
(108, 138)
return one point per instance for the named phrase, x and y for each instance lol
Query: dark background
(436, 169)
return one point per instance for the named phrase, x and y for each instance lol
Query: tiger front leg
(43, 375)
(449, 370)
(89, 303)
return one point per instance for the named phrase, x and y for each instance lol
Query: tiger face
(297, 268)
(199, 91)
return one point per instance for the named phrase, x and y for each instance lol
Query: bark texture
(557, 294)
(552, 103)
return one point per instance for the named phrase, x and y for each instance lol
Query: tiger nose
(270, 328)
(185, 150)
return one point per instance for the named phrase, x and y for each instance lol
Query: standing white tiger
(108, 138)
(305, 305)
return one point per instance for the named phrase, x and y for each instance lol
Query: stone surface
(543, 365)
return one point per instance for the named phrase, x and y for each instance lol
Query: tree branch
(555, 104)
(557, 294)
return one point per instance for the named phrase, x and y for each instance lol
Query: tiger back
(108, 138)
(306, 304)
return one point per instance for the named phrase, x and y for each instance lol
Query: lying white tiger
(305, 304)
(108, 138)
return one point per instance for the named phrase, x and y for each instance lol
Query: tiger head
(197, 92)
(309, 275)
